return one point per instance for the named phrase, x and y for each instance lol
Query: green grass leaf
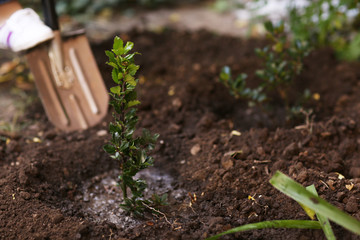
(297, 192)
(324, 221)
(300, 224)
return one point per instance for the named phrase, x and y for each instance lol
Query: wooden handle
(51, 18)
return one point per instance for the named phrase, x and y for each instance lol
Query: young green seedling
(282, 62)
(130, 151)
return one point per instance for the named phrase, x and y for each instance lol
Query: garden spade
(68, 80)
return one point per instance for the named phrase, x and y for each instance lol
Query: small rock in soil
(25, 195)
(291, 149)
(57, 218)
(227, 163)
(195, 149)
(174, 128)
(177, 104)
(101, 133)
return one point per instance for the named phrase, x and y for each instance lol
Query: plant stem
(124, 189)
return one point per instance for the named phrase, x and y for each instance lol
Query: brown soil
(40, 182)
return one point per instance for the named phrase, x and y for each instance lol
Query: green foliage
(159, 200)
(238, 87)
(130, 151)
(311, 202)
(326, 23)
(323, 220)
(283, 59)
(282, 62)
(296, 224)
(310, 199)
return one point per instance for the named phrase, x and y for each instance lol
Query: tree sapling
(130, 151)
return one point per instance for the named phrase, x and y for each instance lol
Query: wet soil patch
(49, 188)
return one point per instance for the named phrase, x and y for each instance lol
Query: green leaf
(124, 145)
(118, 44)
(111, 56)
(116, 90)
(130, 80)
(131, 96)
(130, 57)
(133, 103)
(128, 47)
(269, 26)
(114, 65)
(278, 47)
(225, 73)
(132, 69)
(130, 114)
(114, 128)
(120, 75)
(324, 222)
(115, 75)
(311, 213)
(294, 190)
(299, 224)
(109, 149)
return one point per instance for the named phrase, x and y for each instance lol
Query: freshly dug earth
(195, 115)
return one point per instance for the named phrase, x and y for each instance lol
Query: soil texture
(51, 182)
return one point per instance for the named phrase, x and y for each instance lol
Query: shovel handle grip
(51, 18)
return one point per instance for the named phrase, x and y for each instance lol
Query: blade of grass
(303, 224)
(324, 221)
(311, 213)
(294, 190)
